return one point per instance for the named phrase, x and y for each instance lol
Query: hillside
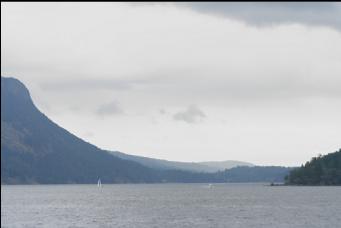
(209, 167)
(222, 165)
(256, 174)
(321, 170)
(36, 150)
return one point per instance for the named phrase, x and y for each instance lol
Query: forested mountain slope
(321, 170)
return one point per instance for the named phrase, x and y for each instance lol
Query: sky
(255, 82)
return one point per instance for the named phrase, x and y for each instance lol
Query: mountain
(256, 174)
(222, 165)
(321, 170)
(208, 167)
(36, 150)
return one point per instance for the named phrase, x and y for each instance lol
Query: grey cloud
(283, 80)
(162, 111)
(112, 108)
(263, 14)
(191, 115)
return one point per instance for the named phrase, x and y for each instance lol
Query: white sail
(99, 184)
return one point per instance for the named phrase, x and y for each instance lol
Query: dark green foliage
(321, 170)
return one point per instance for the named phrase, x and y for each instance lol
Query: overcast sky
(256, 82)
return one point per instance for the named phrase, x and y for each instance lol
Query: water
(170, 205)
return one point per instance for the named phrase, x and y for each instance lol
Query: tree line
(320, 170)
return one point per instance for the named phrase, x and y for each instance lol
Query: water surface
(170, 205)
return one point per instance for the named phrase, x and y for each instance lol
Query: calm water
(170, 205)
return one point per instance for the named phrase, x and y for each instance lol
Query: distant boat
(210, 185)
(99, 183)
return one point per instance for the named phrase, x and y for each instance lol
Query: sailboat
(99, 183)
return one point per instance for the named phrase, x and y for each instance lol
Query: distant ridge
(209, 167)
(35, 150)
(222, 165)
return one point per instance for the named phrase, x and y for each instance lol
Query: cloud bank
(273, 13)
(191, 115)
(109, 109)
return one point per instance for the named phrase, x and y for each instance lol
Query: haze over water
(170, 205)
